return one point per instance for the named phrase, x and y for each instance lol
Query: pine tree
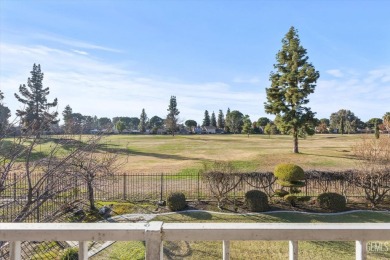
(206, 119)
(291, 83)
(171, 120)
(35, 116)
(213, 120)
(227, 126)
(67, 115)
(221, 120)
(142, 121)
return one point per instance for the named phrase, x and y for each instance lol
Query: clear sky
(115, 57)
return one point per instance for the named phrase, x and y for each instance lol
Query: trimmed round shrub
(332, 201)
(281, 193)
(176, 201)
(71, 253)
(256, 201)
(292, 199)
(289, 172)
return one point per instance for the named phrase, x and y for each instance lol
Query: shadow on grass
(126, 151)
(201, 215)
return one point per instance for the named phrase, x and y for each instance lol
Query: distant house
(197, 130)
(209, 129)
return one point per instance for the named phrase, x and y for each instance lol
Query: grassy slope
(253, 249)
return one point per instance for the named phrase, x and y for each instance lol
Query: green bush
(71, 253)
(332, 201)
(292, 199)
(289, 172)
(281, 193)
(176, 201)
(304, 198)
(256, 201)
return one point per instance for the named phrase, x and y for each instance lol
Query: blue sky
(113, 58)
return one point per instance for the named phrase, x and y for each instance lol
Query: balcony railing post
(361, 250)
(83, 250)
(15, 250)
(153, 239)
(226, 250)
(292, 250)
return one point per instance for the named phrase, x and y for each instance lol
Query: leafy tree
(173, 112)
(105, 123)
(35, 116)
(386, 122)
(5, 113)
(134, 123)
(221, 120)
(344, 121)
(206, 119)
(120, 126)
(373, 122)
(262, 122)
(270, 129)
(247, 125)
(323, 125)
(234, 120)
(291, 83)
(191, 124)
(213, 120)
(143, 121)
(156, 122)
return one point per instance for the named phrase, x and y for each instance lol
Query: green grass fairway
(151, 154)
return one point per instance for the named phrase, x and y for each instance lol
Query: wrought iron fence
(155, 187)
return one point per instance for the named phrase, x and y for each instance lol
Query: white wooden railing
(155, 232)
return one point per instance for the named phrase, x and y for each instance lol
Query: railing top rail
(194, 231)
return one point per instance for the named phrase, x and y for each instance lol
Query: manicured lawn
(253, 249)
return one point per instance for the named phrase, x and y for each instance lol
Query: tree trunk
(91, 197)
(295, 136)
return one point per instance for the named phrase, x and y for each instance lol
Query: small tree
(373, 168)
(234, 120)
(191, 124)
(142, 121)
(120, 126)
(173, 112)
(247, 126)
(221, 179)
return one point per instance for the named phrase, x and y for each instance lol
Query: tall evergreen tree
(35, 116)
(221, 120)
(292, 81)
(67, 116)
(143, 121)
(227, 126)
(206, 119)
(213, 120)
(173, 112)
